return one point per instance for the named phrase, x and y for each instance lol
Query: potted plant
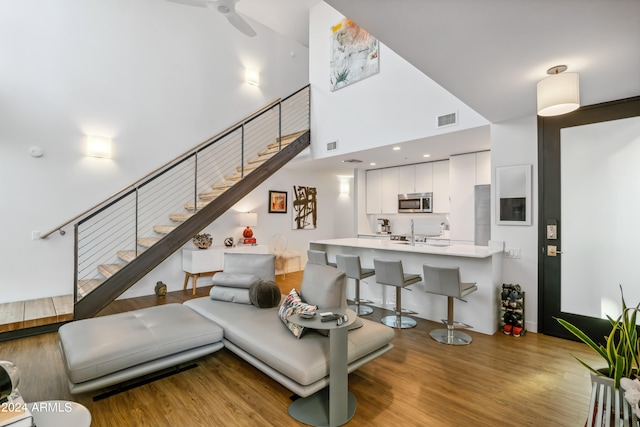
(621, 348)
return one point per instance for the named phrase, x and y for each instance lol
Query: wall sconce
(559, 93)
(344, 185)
(252, 77)
(98, 146)
(248, 220)
(344, 189)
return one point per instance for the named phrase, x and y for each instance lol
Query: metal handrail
(153, 173)
(115, 230)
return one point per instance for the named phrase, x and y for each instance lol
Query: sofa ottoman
(103, 351)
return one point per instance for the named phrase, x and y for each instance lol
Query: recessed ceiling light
(372, 164)
(396, 148)
(426, 155)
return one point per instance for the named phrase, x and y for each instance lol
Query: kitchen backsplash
(424, 224)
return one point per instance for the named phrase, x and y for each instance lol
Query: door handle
(553, 250)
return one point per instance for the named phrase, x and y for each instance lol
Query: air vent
(332, 145)
(448, 120)
(352, 161)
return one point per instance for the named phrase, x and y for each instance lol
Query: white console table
(207, 262)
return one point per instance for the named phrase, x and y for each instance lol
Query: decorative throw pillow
(291, 305)
(265, 294)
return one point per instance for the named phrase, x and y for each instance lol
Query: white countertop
(469, 251)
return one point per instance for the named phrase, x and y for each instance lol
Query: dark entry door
(552, 221)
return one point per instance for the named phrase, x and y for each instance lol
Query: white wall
(515, 142)
(155, 76)
(398, 104)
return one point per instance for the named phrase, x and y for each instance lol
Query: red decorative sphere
(247, 233)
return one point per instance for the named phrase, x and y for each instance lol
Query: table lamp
(9, 378)
(249, 219)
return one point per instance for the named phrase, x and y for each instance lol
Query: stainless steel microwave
(415, 202)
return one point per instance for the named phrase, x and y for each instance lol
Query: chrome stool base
(450, 336)
(361, 310)
(399, 322)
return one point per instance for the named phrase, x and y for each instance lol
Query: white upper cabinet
(382, 191)
(390, 190)
(424, 178)
(374, 191)
(440, 186)
(384, 185)
(407, 179)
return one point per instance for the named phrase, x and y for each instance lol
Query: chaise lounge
(108, 350)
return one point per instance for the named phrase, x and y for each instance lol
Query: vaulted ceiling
(491, 53)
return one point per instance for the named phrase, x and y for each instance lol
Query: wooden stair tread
(223, 185)
(261, 158)
(212, 194)
(11, 312)
(268, 153)
(287, 139)
(164, 229)
(63, 305)
(252, 166)
(180, 217)
(128, 255)
(86, 286)
(147, 242)
(189, 206)
(37, 310)
(108, 270)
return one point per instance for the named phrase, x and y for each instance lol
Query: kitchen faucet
(413, 241)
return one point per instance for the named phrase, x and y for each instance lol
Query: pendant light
(559, 93)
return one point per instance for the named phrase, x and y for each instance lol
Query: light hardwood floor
(36, 312)
(496, 381)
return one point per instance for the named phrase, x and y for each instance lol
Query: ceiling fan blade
(242, 25)
(197, 3)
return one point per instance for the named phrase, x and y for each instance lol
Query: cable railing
(115, 232)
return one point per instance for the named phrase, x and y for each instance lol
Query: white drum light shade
(248, 219)
(558, 94)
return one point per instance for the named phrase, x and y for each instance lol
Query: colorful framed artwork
(355, 55)
(277, 201)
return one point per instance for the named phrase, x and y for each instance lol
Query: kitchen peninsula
(479, 264)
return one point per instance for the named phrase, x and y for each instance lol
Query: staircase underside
(95, 294)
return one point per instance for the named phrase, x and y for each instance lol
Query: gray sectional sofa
(257, 335)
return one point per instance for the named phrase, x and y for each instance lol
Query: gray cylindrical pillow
(265, 294)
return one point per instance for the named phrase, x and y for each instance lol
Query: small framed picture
(277, 201)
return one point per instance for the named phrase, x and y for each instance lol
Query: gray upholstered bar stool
(446, 281)
(350, 264)
(319, 257)
(390, 272)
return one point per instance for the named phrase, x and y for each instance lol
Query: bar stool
(390, 272)
(319, 257)
(446, 281)
(350, 264)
